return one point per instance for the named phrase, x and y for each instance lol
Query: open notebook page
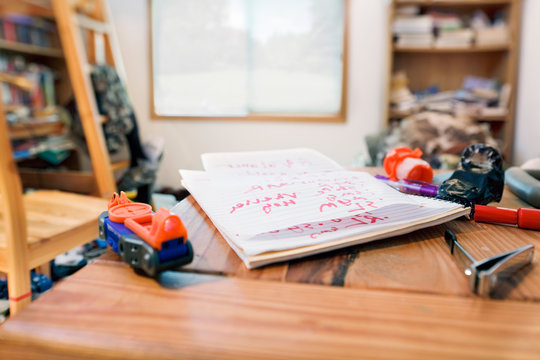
(268, 213)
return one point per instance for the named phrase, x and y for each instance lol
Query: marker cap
(404, 163)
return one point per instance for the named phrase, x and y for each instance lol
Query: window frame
(339, 117)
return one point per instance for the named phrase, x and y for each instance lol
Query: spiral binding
(459, 200)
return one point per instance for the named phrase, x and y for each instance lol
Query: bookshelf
(36, 87)
(432, 60)
(34, 81)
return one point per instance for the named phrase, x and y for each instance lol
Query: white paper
(292, 206)
(268, 163)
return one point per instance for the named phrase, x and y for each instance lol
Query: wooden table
(402, 297)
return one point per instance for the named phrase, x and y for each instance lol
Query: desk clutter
(260, 202)
(280, 205)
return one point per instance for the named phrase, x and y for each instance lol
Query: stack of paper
(413, 31)
(455, 38)
(279, 205)
(493, 35)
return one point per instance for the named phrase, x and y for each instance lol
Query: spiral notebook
(273, 206)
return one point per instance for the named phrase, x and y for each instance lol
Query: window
(258, 59)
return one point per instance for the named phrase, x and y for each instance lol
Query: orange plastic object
(156, 229)
(121, 212)
(404, 163)
(117, 200)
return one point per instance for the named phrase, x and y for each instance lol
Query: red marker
(523, 218)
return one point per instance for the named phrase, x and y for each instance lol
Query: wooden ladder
(88, 39)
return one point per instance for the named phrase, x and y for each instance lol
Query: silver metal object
(484, 275)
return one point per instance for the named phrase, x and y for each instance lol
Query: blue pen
(411, 186)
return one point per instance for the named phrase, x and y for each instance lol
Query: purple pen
(411, 186)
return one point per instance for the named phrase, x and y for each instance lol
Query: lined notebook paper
(278, 205)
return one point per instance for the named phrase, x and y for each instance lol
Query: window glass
(239, 57)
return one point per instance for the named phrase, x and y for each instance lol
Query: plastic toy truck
(149, 242)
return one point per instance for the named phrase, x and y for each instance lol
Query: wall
(187, 140)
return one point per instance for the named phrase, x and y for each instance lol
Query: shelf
(434, 50)
(53, 144)
(31, 49)
(14, 107)
(484, 118)
(453, 3)
(36, 111)
(24, 130)
(41, 8)
(17, 80)
(120, 165)
(400, 114)
(491, 118)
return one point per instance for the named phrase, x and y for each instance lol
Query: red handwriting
(344, 193)
(359, 219)
(353, 204)
(277, 185)
(269, 202)
(329, 230)
(268, 207)
(317, 229)
(286, 163)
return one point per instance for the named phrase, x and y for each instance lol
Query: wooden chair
(36, 227)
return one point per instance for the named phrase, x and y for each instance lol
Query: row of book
(28, 92)
(42, 92)
(28, 30)
(412, 28)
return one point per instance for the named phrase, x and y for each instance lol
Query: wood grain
(13, 223)
(106, 311)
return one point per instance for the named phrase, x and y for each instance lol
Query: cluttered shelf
(32, 76)
(457, 59)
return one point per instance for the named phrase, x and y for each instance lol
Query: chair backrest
(11, 200)
(83, 26)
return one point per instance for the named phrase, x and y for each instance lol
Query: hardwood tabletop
(106, 311)
(402, 297)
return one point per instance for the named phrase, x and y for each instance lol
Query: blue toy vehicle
(149, 242)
